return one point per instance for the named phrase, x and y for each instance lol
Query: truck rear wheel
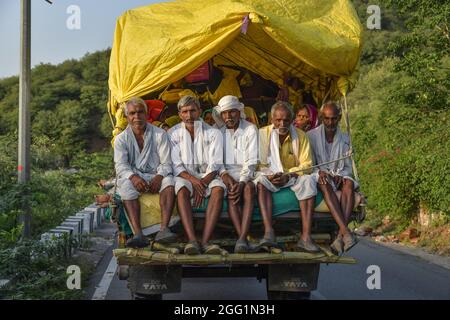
(139, 296)
(288, 295)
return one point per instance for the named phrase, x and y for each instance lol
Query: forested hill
(68, 105)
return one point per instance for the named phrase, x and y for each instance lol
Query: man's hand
(228, 181)
(235, 193)
(274, 176)
(155, 184)
(198, 199)
(338, 180)
(208, 178)
(323, 176)
(281, 180)
(198, 185)
(138, 183)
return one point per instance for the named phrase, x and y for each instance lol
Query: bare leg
(247, 210)
(134, 214)
(335, 209)
(185, 210)
(212, 213)
(347, 199)
(307, 207)
(265, 205)
(166, 202)
(234, 212)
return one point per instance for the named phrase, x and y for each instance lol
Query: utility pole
(23, 167)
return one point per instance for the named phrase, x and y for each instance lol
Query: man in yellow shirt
(285, 156)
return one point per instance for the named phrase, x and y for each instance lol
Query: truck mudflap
(154, 280)
(293, 277)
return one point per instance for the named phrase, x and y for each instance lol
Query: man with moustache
(329, 143)
(285, 157)
(240, 140)
(197, 156)
(143, 164)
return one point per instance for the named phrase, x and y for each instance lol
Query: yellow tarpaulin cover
(318, 41)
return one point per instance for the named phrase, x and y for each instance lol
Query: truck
(253, 49)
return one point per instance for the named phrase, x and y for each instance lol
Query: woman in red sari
(306, 117)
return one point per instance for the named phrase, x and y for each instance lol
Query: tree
(424, 53)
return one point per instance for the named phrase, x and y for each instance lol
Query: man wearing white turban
(240, 140)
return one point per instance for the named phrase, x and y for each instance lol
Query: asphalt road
(403, 276)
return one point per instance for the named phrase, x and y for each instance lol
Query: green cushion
(284, 201)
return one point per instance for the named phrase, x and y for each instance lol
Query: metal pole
(23, 167)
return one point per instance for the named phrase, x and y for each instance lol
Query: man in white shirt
(143, 164)
(240, 160)
(329, 143)
(197, 156)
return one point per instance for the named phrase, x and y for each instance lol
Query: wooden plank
(148, 257)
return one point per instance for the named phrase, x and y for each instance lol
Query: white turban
(227, 103)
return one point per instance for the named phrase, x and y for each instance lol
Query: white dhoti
(127, 191)
(324, 153)
(180, 183)
(333, 185)
(235, 174)
(304, 186)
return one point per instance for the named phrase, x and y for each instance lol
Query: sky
(51, 40)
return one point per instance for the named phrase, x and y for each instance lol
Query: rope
(347, 124)
(109, 109)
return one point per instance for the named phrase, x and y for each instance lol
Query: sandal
(192, 248)
(269, 240)
(308, 246)
(338, 245)
(138, 242)
(241, 247)
(212, 249)
(165, 236)
(350, 240)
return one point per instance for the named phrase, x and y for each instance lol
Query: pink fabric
(313, 116)
(244, 26)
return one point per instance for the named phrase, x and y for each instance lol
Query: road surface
(403, 276)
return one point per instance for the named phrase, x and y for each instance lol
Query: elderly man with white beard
(285, 157)
(240, 140)
(197, 156)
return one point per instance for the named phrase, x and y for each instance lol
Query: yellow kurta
(288, 158)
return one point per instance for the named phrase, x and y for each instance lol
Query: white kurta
(199, 157)
(339, 149)
(240, 151)
(154, 160)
